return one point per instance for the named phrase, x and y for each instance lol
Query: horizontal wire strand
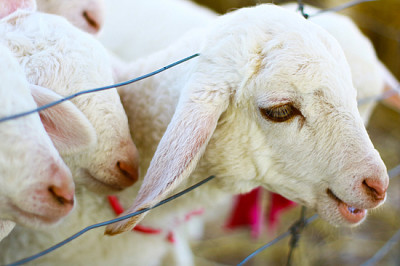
(41, 108)
(118, 219)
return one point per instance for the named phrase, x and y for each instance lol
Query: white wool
(56, 55)
(137, 28)
(250, 59)
(30, 165)
(253, 59)
(359, 52)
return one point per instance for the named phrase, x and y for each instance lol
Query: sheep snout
(93, 21)
(46, 201)
(128, 170)
(60, 190)
(375, 188)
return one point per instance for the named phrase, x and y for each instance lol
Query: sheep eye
(280, 113)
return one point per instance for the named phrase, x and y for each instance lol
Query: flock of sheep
(271, 101)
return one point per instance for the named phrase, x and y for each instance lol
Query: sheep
(54, 54)
(36, 189)
(243, 85)
(365, 67)
(271, 79)
(87, 15)
(149, 25)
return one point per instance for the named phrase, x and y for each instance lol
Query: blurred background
(320, 243)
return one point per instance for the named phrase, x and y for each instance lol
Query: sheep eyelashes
(280, 113)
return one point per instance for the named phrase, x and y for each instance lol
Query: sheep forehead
(68, 60)
(49, 44)
(286, 74)
(284, 48)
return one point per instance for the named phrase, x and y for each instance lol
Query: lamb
(271, 85)
(87, 15)
(36, 189)
(241, 84)
(366, 68)
(54, 54)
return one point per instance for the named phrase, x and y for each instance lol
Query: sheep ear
(66, 125)
(8, 7)
(391, 83)
(5, 228)
(180, 149)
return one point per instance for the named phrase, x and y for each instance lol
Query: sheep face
(56, 55)
(270, 102)
(87, 15)
(36, 186)
(299, 124)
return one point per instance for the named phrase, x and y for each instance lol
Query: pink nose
(63, 195)
(129, 170)
(60, 189)
(376, 188)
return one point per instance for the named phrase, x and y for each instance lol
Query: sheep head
(270, 102)
(36, 186)
(54, 54)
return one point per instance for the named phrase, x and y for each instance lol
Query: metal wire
(276, 240)
(296, 231)
(118, 219)
(384, 250)
(392, 173)
(340, 7)
(41, 108)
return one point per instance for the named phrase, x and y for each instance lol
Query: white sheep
(137, 28)
(260, 107)
(269, 102)
(36, 188)
(54, 54)
(87, 15)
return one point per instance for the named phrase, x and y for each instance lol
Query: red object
(247, 211)
(115, 205)
(147, 230)
(191, 214)
(118, 209)
(171, 237)
(278, 205)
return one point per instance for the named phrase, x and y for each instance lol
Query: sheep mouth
(97, 184)
(30, 216)
(351, 214)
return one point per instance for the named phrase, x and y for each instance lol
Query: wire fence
(294, 232)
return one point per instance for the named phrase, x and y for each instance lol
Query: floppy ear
(8, 7)
(5, 228)
(391, 84)
(66, 125)
(181, 147)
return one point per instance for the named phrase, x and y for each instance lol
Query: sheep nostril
(128, 170)
(376, 188)
(90, 19)
(61, 196)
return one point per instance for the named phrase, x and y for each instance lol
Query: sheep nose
(129, 170)
(376, 188)
(64, 195)
(91, 20)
